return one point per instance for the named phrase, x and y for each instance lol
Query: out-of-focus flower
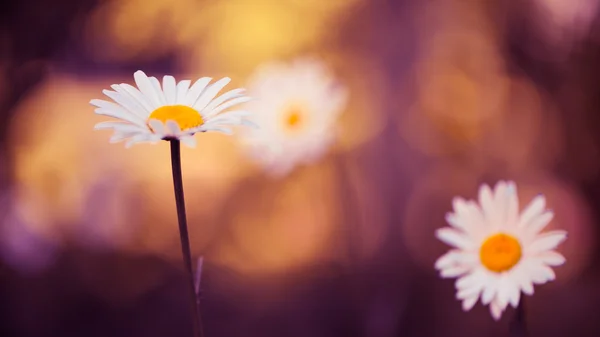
(499, 252)
(296, 107)
(175, 111)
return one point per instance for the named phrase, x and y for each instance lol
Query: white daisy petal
(137, 139)
(170, 90)
(231, 94)
(139, 97)
(496, 310)
(454, 271)
(542, 274)
(173, 128)
(196, 90)
(454, 238)
(538, 223)
(126, 102)
(489, 292)
(119, 114)
(157, 126)
(512, 212)
(190, 141)
(120, 136)
(551, 258)
(219, 129)
(119, 126)
(514, 296)
(469, 292)
(447, 259)
(501, 203)
(474, 279)
(160, 95)
(546, 241)
(535, 208)
(116, 111)
(227, 105)
(486, 200)
(469, 303)
(182, 91)
(146, 87)
(210, 93)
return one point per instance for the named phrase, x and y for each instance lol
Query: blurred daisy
(296, 107)
(499, 251)
(150, 113)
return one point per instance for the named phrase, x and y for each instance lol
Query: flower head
(297, 106)
(150, 113)
(499, 252)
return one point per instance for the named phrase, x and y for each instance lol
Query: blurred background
(443, 95)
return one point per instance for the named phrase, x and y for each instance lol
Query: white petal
(535, 208)
(121, 136)
(545, 242)
(514, 296)
(196, 90)
(157, 126)
(145, 102)
(159, 91)
(542, 274)
(182, 90)
(551, 258)
(472, 280)
(137, 139)
(119, 126)
(235, 93)
(501, 203)
(451, 272)
(521, 276)
(218, 129)
(190, 141)
(456, 257)
(126, 102)
(227, 105)
(170, 89)
(469, 303)
(538, 223)
(210, 93)
(173, 128)
(495, 310)
(505, 286)
(486, 201)
(454, 238)
(512, 212)
(489, 292)
(145, 85)
(470, 292)
(120, 115)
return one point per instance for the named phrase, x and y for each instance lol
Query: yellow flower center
(500, 252)
(294, 118)
(184, 116)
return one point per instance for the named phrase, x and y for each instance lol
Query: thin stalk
(183, 235)
(518, 325)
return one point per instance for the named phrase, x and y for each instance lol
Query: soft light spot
(184, 116)
(500, 252)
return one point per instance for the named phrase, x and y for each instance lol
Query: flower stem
(518, 325)
(183, 234)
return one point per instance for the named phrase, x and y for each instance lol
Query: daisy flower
(499, 252)
(296, 106)
(175, 111)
